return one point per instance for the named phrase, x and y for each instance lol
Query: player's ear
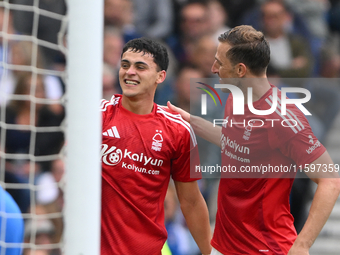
(161, 76)
(241, 70)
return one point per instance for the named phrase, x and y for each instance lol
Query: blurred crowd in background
(304, 37)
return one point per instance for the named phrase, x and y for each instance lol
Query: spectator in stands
(330, 58)
(120, 14)
(50, 195)
(153, 19)
(5, 49)
(40, 231)
(50, 185)
(237, 9)
(296, 24)
(193, 25)
(325, 93)
(110, 86)
(290, 54)
(36, 252)
(204, 54)
(314, 13)
(184, 94)
(218, 18)
(188, 97)
(48, 27)
(334, 16)
(113, 46)
(21, 54)
(33, 114)
(9, 28)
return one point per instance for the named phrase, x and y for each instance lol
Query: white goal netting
(32, 92)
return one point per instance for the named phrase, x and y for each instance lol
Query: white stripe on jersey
(297, 119)
(277, 111)
(102, 102)
(105, 105)
(177, 116)
(303, 127)
(178, 119)
(115, 131)
(290, 114)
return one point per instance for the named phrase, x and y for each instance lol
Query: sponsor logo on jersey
(112, 156)
(312, 148)
(225, 141)
(140, 169)
(112, 132)
(157, 141)
(311, 139)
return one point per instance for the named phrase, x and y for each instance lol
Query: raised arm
(195, 212)
(202, 127)
(324, 199)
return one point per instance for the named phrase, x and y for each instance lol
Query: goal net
(48, 115)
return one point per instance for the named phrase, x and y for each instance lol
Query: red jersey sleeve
(303, 148)
(186, 156)
(296, 140)
(105, 106)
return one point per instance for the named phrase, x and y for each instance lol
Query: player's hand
(295, 250)
(185, 115)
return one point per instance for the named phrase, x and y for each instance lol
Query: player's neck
(137, 106)
(260, 86)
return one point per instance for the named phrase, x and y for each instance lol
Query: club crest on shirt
(248, 129)
(157, 141)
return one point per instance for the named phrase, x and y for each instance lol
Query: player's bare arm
(325, 197)
(202, 127)
(195, 212)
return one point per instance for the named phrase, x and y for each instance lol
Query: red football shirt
(139, 153)
(253, 214)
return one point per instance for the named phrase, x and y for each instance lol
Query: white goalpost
(83, 188)
(81, 185)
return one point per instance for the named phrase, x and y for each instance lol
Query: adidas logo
(112, 132)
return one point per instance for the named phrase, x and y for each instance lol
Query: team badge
(157, 141)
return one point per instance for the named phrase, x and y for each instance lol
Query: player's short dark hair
(248, 46)
(147, 45)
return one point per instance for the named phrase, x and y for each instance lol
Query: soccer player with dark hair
(253, 215)
(143, 145)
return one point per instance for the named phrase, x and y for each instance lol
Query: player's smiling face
(139, 74)
(224, 68)
(222, 65)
